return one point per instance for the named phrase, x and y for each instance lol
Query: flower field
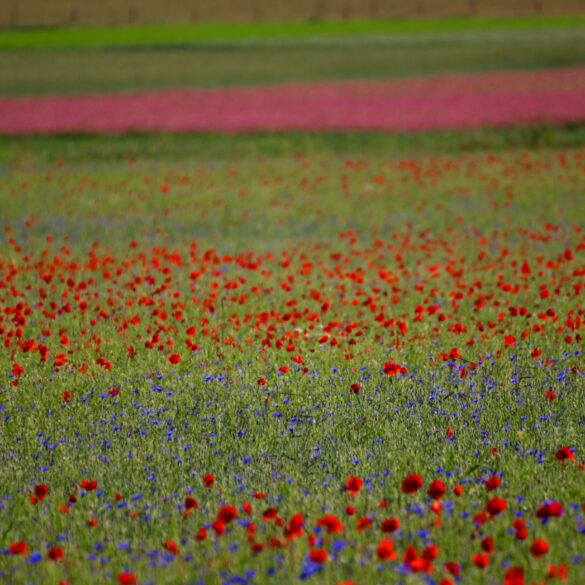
(441, 101)
(332, 369)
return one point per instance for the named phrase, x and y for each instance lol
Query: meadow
(76, 60)
(334, 358)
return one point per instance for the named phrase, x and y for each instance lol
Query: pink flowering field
(441, 101)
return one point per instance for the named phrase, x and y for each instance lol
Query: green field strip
(263, 32)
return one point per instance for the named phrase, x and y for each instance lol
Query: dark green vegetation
(47, 150)
(45, 71)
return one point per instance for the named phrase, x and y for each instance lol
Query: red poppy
(269, 514)
(410, 554)
(350, 510)
(257, 547)
(259, 495)
(330, 523)
(17, 370)
(390, 525)
(453, 568)
(355, 388)
(436, 507)
(41, 490)
(487, 545)
(480, 518)
(480, 560)
(549, 510)
(458, 490)
(392, 369)
(208, 480)
(227, 513)
(412, 483)
(363, 523)
(492, 483)
(560, 572)
(514, 576)
(191, 503)
(171, 546)
(295, 526)
(430, 552)
(261, 382)
(18, 548)
(496, 506)
(353, 485)
(386, 550)
(564, 453)
(415, 562)
(437, 489)
(127, 579)
(277, 543)
(521, 532)
(55, 553)
(175, 358)
(539, 547)
(201, 535)
(318, 555)
(89, 485)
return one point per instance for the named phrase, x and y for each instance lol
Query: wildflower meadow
(300, 367)
(324, 353)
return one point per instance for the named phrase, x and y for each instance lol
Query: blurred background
(64, 47)
(15, 13)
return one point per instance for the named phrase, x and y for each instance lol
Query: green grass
(48, 150)
(278, 226)
(46, 72)
(89, 60)
(228, 33)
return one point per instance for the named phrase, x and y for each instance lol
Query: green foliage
(272, 32)
(65, 61)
